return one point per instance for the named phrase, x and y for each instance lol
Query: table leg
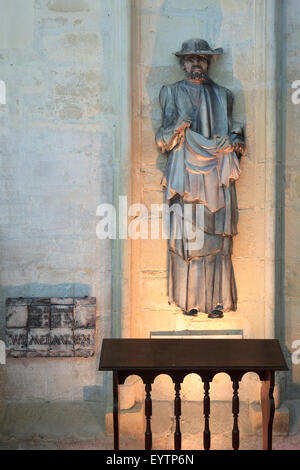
(206, 411)
(268, 408)
(116, 409)
(235, 412)
(148, 414)
(177, 412)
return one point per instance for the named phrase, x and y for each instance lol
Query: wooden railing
(177, 358)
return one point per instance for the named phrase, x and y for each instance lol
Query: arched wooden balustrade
(148, 379)
(177, 358)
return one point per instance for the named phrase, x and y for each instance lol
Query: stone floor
(162, 425)
(190, 442)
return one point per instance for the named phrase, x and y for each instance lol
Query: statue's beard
(197, 75)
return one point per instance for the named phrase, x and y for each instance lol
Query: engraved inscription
(50, 327)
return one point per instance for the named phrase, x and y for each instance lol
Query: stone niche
(248, 68)
(50, 327)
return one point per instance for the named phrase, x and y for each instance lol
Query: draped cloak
(197, 173)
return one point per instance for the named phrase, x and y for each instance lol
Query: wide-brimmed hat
(197, 47)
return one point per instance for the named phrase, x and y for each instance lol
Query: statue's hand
(239, 148)
(180, 131)
(223, 143)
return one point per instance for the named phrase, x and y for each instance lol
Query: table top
(201, 354)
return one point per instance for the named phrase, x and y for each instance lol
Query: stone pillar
(121, 84)
(270, 12)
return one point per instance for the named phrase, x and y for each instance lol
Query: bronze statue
(203, 148)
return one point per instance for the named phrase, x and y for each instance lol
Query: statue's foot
(191, 313)
(217, 312)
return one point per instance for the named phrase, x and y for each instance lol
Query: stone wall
(57, 150)
(77, 130)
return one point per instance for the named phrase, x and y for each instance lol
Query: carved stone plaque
(50, 327)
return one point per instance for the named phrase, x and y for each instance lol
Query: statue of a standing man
(203, 148)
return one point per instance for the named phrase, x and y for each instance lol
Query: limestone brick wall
(70, 141)
(57, 150)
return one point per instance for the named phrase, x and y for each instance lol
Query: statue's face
(196, 67)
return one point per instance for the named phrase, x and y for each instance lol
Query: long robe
(197, 173)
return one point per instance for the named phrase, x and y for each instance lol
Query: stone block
(38, 316)
(61, 342)
(250, 276)
(154, 288)
(62, 301)
(154, 255)
(162, 417)
(16, 316)
(131, 421)
(127, 394)
(190, 4)
(61, 316)
(249, 310)
(38, 342)
(78, 84)
(73, 47)
(151, 320)
(152, 177)
(80, 301)
(84, 340)
(150, 150)
(280, 424)
(53, 420)
(50, 327)
(18, 301)
(162, 388)
(154, 197)
(18, 29)
(16, 342)
(42, 301)
(252, 174)
(249, 243)
(67, 6)
(292, 279)
(292, 322)
(84, 316)
(292, 224)
(70, 112)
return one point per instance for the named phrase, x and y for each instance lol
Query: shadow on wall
(203, 22)
(35, 289)
(165, 68)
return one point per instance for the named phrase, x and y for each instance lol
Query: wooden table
(177, 358)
